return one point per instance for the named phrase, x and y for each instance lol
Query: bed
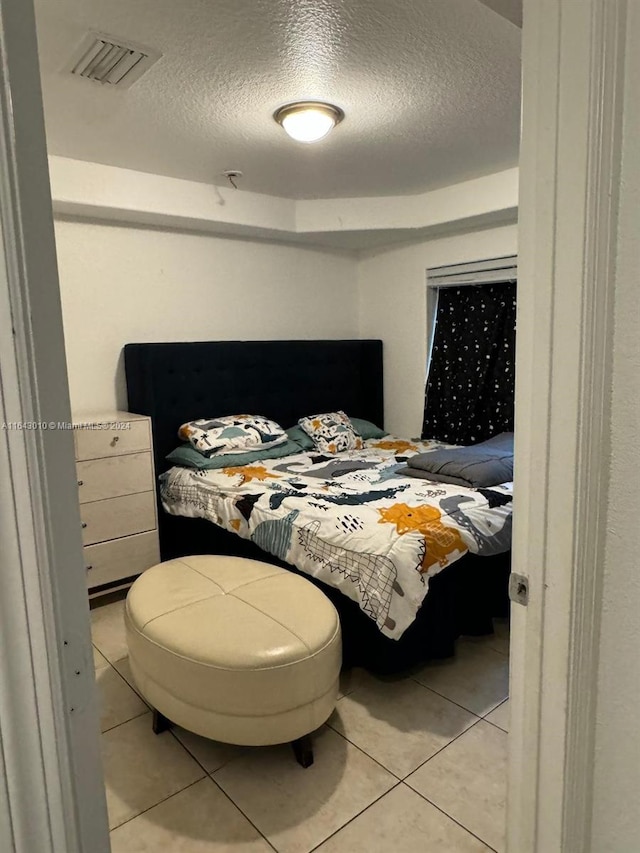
(338, 519)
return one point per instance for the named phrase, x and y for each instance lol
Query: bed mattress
(352, 520)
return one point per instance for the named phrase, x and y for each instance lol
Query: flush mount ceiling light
(308, 121)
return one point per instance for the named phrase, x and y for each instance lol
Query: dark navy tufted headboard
(284, 380)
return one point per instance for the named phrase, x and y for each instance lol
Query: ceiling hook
(232, 176)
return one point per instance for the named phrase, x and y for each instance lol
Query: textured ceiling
(430, 89)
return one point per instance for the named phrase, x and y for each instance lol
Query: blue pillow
(297, 434)
(368, 430)
(189, 457)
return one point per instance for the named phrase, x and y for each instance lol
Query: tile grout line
(135, 716)
(442, 696)
(506, 699)
(478, 719)
(163, 800)
(236, 806)
(494, 649)
(96, 649)
(186, 748)
(124, 722)
(455, 820)
(453, 702)
(442, 748)
(399, 783)
(399, 780)
(195, 758)
(148, 709)
(207, 774)
(364, 752)
(440, 809)
(402, 778)
(488, 714)
(495, 725)
(98, 608)
(351, 819)
(131, 684)
(500, 651)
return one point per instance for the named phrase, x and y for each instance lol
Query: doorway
(569, 232)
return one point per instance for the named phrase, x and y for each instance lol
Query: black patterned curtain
(470, 387)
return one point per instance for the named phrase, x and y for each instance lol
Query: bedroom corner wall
(392, 305)
(124, 284)
(121, 284)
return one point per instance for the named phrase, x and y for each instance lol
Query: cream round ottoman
(235, 650)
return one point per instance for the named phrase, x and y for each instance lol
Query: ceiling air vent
(112, 61)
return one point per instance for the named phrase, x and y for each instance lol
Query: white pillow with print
(232, 433)
(332, 432)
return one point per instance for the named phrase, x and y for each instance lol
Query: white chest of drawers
(114, 464)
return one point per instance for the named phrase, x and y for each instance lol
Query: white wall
(616, 821)
(393, 306)
(121, 285)
(111, 194)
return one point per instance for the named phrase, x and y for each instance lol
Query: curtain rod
(486, 263)
(469, 283)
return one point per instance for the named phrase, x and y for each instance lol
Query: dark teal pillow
(189, 457)
(297, 434)
(366, 429)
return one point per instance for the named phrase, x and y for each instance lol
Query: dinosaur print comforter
(351, 520)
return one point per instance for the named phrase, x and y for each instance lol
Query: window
(471, 346)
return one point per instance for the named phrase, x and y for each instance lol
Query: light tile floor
(404, 765)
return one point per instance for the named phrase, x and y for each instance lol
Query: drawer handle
(81, 482)
(84, 524)
(88, 568)
(115, 440)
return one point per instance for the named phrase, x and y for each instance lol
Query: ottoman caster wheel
(303, 751)
(160, 723)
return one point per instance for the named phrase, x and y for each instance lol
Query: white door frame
(51, 787)
(573, 72)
